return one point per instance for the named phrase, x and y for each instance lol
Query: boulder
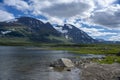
(67, 62)
(63, 62)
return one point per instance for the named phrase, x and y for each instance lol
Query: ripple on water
(74, 74)
(18, 63)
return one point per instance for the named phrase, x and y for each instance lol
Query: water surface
(21, 63)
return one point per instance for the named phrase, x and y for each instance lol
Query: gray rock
(63, 62)
(67, 62)
(101, 72)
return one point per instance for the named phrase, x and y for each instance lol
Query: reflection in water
(19, 63)
(22, 64)
(74, 74)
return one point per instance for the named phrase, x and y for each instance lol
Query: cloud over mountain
(103, 13)
(19, 4)
(4, 15)
(109, 17)
(66, 10)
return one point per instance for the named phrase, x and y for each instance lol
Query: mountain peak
(35, 29)
(75, 34)
(68, 26)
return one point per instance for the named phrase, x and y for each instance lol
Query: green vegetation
(14, 42)
(90, 48)
(110, 50)
(62, 39)
(74, 48)
(109, 60)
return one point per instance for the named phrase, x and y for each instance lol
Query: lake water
(21, 63)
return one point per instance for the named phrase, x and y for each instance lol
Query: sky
(99, 18)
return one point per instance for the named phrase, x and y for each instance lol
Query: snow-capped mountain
(36, 30)
(74, 34)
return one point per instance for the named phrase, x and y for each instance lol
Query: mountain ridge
(36, 30)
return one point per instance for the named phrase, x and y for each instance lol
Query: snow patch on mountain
(66, 36)
(70, 27)
(60, 29)
(11, 20)
(5, 32)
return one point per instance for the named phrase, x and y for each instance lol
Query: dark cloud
(66, 10)
(107, 19)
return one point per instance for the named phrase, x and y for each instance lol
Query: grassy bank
(108, 60)
(108, 49)
(75, 48)
(19, 42)
(90, 48)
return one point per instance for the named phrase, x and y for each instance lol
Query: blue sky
(99, 18)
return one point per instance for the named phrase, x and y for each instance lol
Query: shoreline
(89, 70)
(94, 71)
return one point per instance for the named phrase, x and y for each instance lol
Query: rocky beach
(90, 70)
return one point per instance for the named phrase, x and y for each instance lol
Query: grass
(59, 39)
(109, 60)
(110, 50)
(90, 48)
(75, 48)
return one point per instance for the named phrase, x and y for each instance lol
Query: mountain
(35, 30)
(31, 28)
(75, 34)
(100, 40)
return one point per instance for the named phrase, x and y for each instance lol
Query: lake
(26, 63)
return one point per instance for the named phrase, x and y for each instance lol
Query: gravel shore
(90, 70)
(94, 71)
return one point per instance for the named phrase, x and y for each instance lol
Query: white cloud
(66, 10)
(115, 38)
(91, 12)
(97, 32)
(4, 15)
(95, 12)
(37, 5)
(108, 17)
(19, 4)
(61, 8)
(100, 10)
(103, 3)
(55, 20)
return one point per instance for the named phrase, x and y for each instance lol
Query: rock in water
(63, 62)
(67, 62)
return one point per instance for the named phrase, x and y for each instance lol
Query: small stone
(68, 69)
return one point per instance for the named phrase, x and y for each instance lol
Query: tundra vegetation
(112, 51)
